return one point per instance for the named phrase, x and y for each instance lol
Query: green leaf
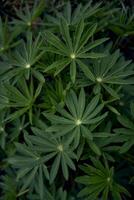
(29, 178)
(69, 162)
(54, 169)
(98, 180)
(126, 122)
(54, 41)
(73, 71)
(126, 146)
(16, 114)
(41, 184)
(112, 61)
(71, 103)
(78, 34)
(64, 167)
(112, 92)
(81, 103)
(65, 32)
(86, 70)
(93, 55)
(59, 65)
(38, 75)
(114, 110)
(94, 148)
(91, 106)
(85, 37)
(86, 133)
(94, 44)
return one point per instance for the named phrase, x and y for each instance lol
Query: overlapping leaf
(126, 134)
(76, 118)
(21, 98)
(30, 166)
(73, 48)
(23, 61)
(109, 71)
(99, 179)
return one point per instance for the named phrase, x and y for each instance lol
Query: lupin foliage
(66, 102)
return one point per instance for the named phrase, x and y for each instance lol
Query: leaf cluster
(66, 103)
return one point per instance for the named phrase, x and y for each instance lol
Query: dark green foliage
(66, 101)
(126, 133)
(75, 123)
(100, 179)
(21, 98)
(72, 51)
(6, 36)
(109, 71)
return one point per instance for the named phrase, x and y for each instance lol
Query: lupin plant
(66, 102)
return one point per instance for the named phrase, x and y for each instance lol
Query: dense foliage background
(66, 100)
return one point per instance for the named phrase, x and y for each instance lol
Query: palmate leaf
(99, 180)
(27, 15)
(72, 48)
(57, 150)
(31, 160)
(122, 25)
(30, 165)
(19, 125)
(125, 134)
(73, 16)
(47, 129)
(76, 118)
(107, 72)
(7, 37)
(21, 98)
(23, 61)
